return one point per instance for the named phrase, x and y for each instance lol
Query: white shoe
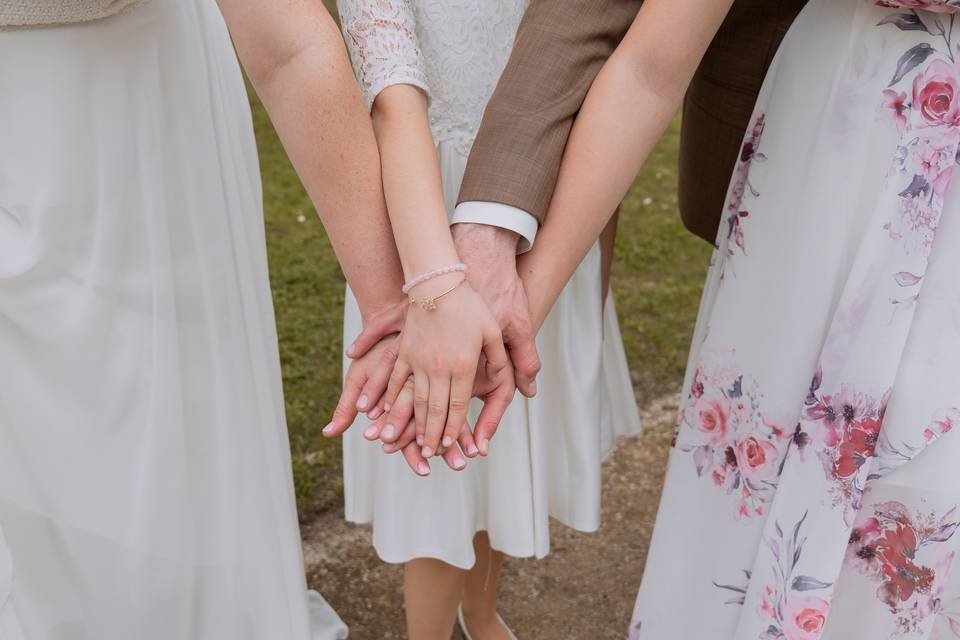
(466, 634)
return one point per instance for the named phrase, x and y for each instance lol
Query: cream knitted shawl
(27, 13)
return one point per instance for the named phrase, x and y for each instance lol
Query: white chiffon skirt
(545, 459)
(145, 480)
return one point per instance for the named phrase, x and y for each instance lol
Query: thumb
(526, 360)
(374, 330)
(494, 406)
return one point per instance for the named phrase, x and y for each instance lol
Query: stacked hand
(414, 370)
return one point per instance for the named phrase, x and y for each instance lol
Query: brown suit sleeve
(559, 49)
(719, 103)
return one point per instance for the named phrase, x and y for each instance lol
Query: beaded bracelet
(430, 275)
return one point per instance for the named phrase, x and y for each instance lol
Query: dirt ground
(584, 589)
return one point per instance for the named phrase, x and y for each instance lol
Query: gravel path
(583, 590)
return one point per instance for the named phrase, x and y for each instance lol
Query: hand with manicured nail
(440, 347)
(364, 386)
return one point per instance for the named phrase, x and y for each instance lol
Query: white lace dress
(545, 460)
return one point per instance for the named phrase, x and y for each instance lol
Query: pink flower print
(935, 94)
(942, 425)
(940, 6)
(719, 475)
(757, 458)
(804, 618)
(862, 553)
(712, 413)
(896, 104)
(768, 603)
(935, 163)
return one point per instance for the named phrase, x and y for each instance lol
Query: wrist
(436, 286)
(395, 305)
(495, 241)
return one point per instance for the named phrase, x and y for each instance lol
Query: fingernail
(388, 432)
(389, 447)
(459, 462)
(447, 441)
(362, 402)
(386, 406)
(370, 433)
(533, 387)
(352, 348)
(374, 413)
(420, 441)
(424, 469)
(472, 450)
(328, 428)
(426, 452)
(484, 446)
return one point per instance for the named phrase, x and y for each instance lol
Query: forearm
(411, 180)
(295, 58)
(629, 106)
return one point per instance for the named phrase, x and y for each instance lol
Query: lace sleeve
(383, 45)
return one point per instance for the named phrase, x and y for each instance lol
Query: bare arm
(294, 55)
(440, 347)
(629, 106)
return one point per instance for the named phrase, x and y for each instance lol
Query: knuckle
(462, 366)
(458, 404)
(435, 408)
(391, 353)
(420, 399)
(437, 364)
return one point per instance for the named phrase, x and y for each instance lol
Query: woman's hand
(441, 347)
(387, 321)
(364, 386)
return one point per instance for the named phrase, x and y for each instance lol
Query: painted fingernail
(472, 449)
(370, 433)
(374, 413)
(420, 441)
(426, 452)
(388, 432)
(424, 469)
(484, 446)
(447, 441)
(327, 429)
(362, 402)
(459, 462)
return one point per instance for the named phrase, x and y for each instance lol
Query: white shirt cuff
(501, 215)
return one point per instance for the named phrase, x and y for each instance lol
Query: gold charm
(430, 304)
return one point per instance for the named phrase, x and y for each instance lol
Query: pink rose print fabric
(813, 487)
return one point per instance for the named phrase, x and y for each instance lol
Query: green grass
(658, 273)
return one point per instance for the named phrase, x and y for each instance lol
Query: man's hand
(491, 255)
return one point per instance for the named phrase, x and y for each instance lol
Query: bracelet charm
(430, 303)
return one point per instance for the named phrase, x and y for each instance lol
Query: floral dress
(814, 483)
